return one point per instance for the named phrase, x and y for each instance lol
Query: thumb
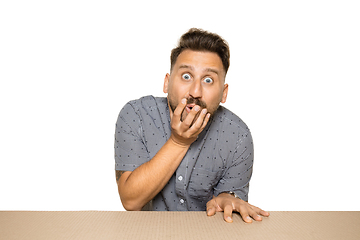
(211, 211)
(211, 208)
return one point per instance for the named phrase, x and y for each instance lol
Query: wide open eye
(186, 76)
(208, 80)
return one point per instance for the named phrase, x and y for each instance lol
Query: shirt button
(182, 201)
(180, 178)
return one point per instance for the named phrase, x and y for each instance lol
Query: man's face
(200, 78)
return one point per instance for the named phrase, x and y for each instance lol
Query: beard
(190, 100)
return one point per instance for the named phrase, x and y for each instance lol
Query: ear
(225, 93)
(166, 83)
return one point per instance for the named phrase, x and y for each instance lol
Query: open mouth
(189, 107)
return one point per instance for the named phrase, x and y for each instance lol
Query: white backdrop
(68, 67)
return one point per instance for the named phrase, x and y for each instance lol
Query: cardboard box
(176, 225)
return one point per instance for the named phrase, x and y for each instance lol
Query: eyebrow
(212, 70)
(186, 66)
(206, 69)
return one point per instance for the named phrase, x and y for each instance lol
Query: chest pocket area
(202, 183)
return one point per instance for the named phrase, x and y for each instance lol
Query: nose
(196, 89)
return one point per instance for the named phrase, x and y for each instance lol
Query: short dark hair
(199, 40)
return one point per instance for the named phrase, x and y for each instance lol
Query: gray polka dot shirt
(220, 160)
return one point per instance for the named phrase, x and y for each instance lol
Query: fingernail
(196, 108)
(249, 219)
(204, 111)
(183, 101)
(228, 219)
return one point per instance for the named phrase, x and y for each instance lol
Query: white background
(68, 67)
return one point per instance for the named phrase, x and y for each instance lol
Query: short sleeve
(238, 171)
(130, 150)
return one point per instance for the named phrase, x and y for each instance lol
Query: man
(185, 152)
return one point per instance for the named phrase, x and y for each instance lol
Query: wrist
(231, 193)
(179, 143)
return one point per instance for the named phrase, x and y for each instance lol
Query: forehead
(199, 60)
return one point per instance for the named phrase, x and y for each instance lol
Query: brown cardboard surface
(176, 225)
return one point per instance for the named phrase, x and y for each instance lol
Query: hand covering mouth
(191, 103)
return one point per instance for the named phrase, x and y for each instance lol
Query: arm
(236, 179)
(145, 182)
(138, 187)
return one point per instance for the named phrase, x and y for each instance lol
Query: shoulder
(148, 109)
(230, 120)
(145, 103)
(233, 134)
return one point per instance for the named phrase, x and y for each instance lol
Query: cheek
(172, 100)
(178, 91)
(213, 101)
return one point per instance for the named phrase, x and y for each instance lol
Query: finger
(178, 111)
(228, 209)
(264, 213)
(244, 213)
(260, 211)
(211, 208)
(211, 211)
(200, 122)
(254, 215)
(189, 120)
(205, 122)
